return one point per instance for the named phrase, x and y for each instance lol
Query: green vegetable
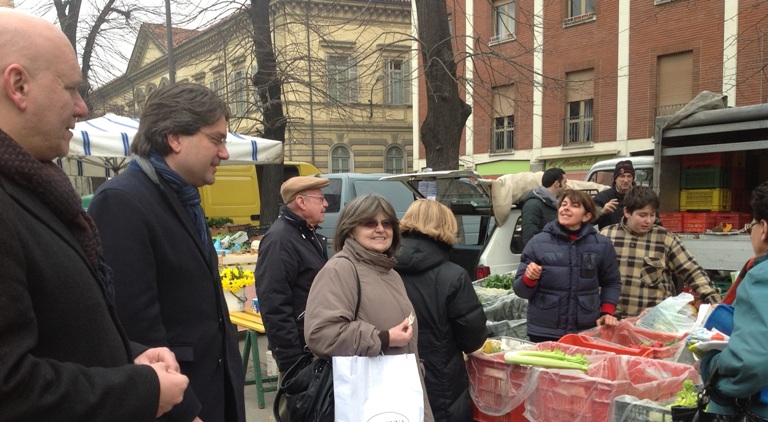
(499, 281)
(548, 359)
(686, 397)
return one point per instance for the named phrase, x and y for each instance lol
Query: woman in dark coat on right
(451, 319)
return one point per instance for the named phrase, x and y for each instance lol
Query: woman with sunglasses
(569, 273)
(367, 237)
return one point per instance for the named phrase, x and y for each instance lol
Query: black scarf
(53, 188)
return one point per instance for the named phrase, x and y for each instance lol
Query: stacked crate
(713, 191)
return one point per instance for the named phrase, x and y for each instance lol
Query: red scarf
(730, 296)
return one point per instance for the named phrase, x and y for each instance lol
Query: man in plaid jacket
(651, 258)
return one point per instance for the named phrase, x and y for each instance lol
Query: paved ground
(252, 411)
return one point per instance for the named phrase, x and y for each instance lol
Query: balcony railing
(578, 130)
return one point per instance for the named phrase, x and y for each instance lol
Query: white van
(602, 172)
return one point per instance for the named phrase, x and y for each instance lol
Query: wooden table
(251, 322)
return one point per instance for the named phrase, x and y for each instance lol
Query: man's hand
(158, 354)
(400, 334)
(172, 386)
(610, 206)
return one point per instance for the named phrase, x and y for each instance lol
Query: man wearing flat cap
(290, 255)
(612, 200)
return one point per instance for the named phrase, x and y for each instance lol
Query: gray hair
(180, 109)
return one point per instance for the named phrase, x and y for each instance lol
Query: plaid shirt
(649, 264)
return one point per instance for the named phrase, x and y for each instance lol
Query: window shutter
(674, 79)
(407, 81)
(353, 85)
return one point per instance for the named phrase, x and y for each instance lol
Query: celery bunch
(548, 359)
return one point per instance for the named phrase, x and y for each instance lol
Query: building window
(580, 7)
(504, 134)
(504, 22)
(674, 82)
(340, 162)
(579, 112)
(398, 82)
(395, 160)
(140, 99)
(503, 131)
(238, 94)
(579, 122)
(217, 87)
(342, 79)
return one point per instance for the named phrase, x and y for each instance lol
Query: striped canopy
(105, 141)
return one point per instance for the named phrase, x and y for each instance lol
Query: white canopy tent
(105, 142)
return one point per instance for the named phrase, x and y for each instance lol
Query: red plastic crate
(593, 343)
(572, 396)
(516, 415)
(713, 159)
(499, 388)
(736, 219)
(696, 222)
(627, 333)
(672, 221)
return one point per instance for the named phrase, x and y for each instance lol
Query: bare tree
(269, 87)
(447, 113)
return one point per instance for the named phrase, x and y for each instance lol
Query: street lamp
(379, 77)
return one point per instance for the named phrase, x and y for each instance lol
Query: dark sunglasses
(372, 224)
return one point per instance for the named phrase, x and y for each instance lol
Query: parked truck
(726, 146)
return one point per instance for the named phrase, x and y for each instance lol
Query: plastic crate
(697, 222)
(737, 220)
(705, 199)
(672, 221)
(631, 409)
(499, 389)
(712, 159)
(704, 178)
(627, 333)
(572, 396)
(516, 415)
(592, 343)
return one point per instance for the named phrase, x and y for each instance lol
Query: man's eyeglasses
(748, 227)
(372, 224)
(216, 141)
(320, 197)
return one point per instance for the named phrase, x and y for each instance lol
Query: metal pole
(169, 35)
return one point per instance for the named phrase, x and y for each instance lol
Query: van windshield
(643, 177)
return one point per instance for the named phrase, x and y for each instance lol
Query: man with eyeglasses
(167, 286)
(290, 255)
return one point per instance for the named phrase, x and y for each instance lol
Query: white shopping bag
(377, 389)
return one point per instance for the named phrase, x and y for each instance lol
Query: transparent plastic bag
(672, 315)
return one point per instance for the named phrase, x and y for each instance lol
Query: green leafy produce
(219, 221)
(548, 359)
(498, 281)
(686, 397)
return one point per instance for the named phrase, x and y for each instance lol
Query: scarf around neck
(52, 187)
(187, 194)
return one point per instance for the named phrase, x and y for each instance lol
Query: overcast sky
(109, 63)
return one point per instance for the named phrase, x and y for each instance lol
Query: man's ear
(627, 213)
(15, 82)
(174, 141)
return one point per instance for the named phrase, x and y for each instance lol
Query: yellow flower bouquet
(234, 279)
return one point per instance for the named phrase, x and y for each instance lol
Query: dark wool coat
(451, 321)
(577, 277)
(290, 255)
(63, 354)
(603, 198)
(168, 292)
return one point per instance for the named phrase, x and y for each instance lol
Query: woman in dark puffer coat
(568, 273)
(451, 319)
